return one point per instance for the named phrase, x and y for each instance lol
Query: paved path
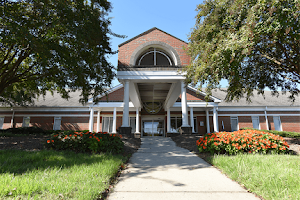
(161, 170)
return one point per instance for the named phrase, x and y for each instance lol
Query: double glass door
(153, 128)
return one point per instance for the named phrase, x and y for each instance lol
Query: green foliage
(281, 133)
(54, 45)
(86, 142)
(242, 141)
(254, 44)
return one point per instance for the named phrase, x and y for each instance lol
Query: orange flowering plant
(249, 141)
(86, 142)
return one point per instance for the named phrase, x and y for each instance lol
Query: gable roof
(146, 32)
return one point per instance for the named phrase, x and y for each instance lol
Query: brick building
(153, 99)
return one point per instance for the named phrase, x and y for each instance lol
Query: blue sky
(132, 17)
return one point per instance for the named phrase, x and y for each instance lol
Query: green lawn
(55, 175)
(269, 176)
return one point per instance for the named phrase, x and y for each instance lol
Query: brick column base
(125, 131)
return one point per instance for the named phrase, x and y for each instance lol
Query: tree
(60, 45)
(254, 44)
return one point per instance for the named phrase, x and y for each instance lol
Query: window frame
(2, 122)
(237, 122)
(154, 51)
(24, 123)
(134, 125)
(55, 123)
(110, 124)
(253, 119)
(279, 120)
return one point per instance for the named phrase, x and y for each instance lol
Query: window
(255, 122)
(107, 123)
(234, 123)
(176, 123)
(1, 122)
(26, 121)
(132, 124)
(154, 56)
(277, 123)
(57, 123)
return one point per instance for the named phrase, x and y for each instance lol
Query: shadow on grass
(19, 162)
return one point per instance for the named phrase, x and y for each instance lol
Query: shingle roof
(259, 100)
(57, 101)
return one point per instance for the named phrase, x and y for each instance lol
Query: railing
(150, 68)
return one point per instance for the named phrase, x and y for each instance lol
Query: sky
(132, 17)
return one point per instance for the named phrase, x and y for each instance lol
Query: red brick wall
(45, 123)
(290, 123)
(191, 96)
(245, 121)
(75, 123)
(117, 95)
(126, 50)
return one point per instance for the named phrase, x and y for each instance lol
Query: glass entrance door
(153, 128)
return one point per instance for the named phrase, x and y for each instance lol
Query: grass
(55, 175)
(269, 176)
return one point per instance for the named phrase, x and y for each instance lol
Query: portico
(154, 90)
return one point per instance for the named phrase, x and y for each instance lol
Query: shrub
(86, 142)
(250, 141)
(281, 133)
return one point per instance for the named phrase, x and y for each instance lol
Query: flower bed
(86, 142)
(250, 141)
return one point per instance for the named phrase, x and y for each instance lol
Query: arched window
(154, 56)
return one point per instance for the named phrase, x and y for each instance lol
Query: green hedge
(281, 133)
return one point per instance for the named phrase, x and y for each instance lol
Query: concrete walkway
(161, 170)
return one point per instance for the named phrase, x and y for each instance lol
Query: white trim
(165, 76)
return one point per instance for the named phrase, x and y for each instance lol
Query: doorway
(153, 128)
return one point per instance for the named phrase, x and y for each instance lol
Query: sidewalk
(161, 170)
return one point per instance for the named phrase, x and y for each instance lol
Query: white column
(114, 126)
(192, 118)
(137, 120)
(185, 122)
(266, 117)
(91, 122)
(207, 121)
(126, 105)
(168, 120)
(216, 124)
(98, 121)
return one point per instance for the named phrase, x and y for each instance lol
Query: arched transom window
(154, 56)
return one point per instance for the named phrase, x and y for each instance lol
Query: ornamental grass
(86, 142)
(242, 141)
